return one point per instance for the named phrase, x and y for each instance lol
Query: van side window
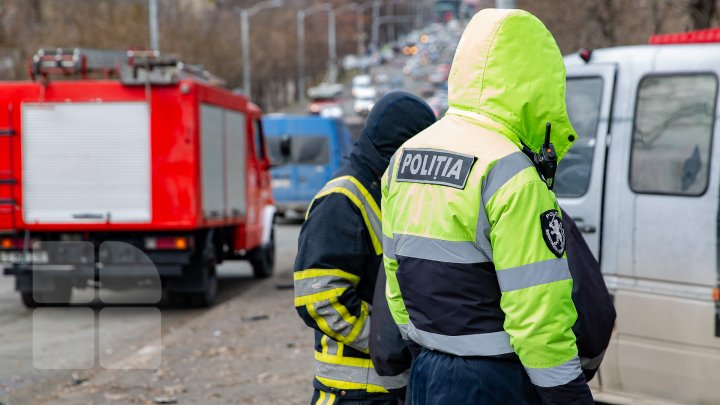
(583, 100)
(259, 145)
(304, 149)
(672, 134)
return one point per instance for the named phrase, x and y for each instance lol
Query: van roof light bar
(692, 37)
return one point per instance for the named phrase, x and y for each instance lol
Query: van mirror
(285, 146)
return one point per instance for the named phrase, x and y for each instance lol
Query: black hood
(395, 118)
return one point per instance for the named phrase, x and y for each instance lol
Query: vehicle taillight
(167, 243)
(10, 243)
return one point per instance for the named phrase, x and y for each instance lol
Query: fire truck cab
(131, 169)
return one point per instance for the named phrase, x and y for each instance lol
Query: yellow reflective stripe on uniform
(347, 385)
(331, 399)
(344, 313)
(320, 296)
(312, 273)
(360, 324)
(322, 324)
(358, 194)
(323, 343)
(344, 361)
(321, 398)
(313, 281)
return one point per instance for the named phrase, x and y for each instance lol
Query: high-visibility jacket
(472, 237)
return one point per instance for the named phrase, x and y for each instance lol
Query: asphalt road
(66, 334)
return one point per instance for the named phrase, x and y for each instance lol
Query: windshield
(583, 98)
(303, 150)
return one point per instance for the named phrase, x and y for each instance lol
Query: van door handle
(587, 228)
(584, 228)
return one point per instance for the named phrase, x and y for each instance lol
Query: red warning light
(585, 54)
(692, 37)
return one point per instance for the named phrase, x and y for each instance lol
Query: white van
(643, 184)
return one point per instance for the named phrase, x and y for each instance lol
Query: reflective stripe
(530, 275)
(358, 375)
(321, 398)
(483, 344)
(346, 385)
(359, 337)
(437, 249)
(321, 323)
(389, 247)
(314, 281)
(356, 192)
(554, 376)
(404, 331)
(323, 343)
(330, 399)
(503, 170)
(320, 296)
(390, 170)
(592, 363)
(333, 319)
(482, 233)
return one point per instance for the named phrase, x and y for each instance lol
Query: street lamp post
(505, 3)
(301, 14)
(153, 16)
(245, 15)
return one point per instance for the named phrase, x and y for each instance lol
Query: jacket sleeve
(528, 252)
(390, 355)
(596, 312)
(332, 251)
(392, 289)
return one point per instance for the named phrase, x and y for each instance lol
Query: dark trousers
(325, 395)
(329, 398)
(440, 378)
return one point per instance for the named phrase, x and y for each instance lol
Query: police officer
(473, 240)
(340, 251)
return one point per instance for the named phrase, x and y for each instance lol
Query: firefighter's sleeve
(332, 250)
(528, 252)
(392, 289)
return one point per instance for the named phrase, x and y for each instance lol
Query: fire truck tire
(262, 258)
(204, 296)
(59, 297)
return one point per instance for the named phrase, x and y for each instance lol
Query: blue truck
(305, 151)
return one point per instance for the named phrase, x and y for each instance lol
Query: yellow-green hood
(508, 75)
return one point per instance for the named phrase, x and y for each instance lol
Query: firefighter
(340, 251)
(473, 240)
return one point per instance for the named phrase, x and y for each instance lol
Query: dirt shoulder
(251, 349)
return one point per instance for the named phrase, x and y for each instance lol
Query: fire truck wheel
(59, 297)
(262, 258)
(204, 273)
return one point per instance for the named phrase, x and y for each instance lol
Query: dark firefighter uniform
(340, 251)
(473, 240)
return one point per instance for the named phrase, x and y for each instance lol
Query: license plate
(281, 183)
(35, 256)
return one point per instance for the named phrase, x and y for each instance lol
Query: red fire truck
(113, 163)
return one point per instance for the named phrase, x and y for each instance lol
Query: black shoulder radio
(545, 161)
